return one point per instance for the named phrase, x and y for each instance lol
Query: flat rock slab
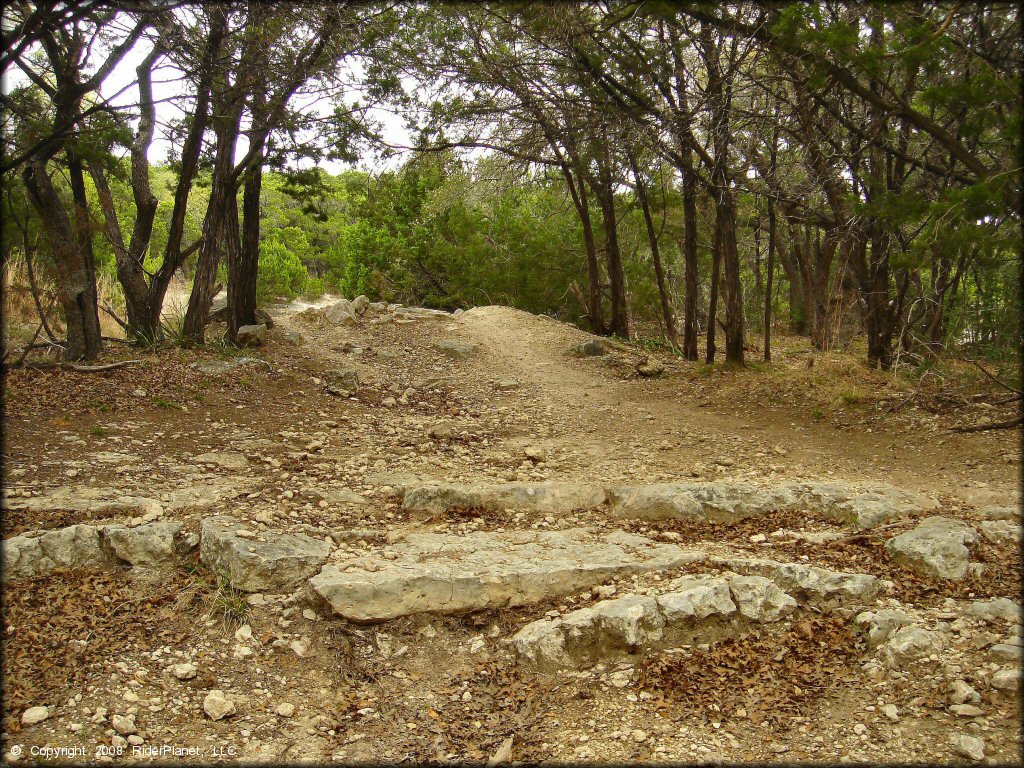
(152, 547)
(445, 573)
(936, 548)
(267, 561)
(809, 583)
(117, 501)
(728, 501)
(698, 608)
(545, 497)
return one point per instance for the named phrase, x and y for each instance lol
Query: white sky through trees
(171, 94)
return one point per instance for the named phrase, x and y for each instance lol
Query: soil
(411, 689)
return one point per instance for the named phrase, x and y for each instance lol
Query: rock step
(151, 548)
(694, 609)
(445, 573)
(723, 501)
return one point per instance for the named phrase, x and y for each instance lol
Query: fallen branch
(110, 311)
(1010, 424)
(99, 368)
(992, 376)
(46, 366)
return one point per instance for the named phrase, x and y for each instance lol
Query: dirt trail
(264, 437)
(599, 408)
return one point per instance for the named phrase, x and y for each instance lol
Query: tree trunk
(620, 316)
(76, 280)
(719, 93)
(595, 309)
(244, 267)
(667, 313)
(769, 274)
(716, 265)
(690, 261)
(578, 191)
(220, 229)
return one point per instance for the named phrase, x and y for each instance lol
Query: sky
(120, 89)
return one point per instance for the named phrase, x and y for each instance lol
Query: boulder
(456, 350)
(37, 553)
(593, 348)
(251, 335)
(809, 583)
(696, 598)
(340, 312)
(881, 624)
(1002, 513)
(359, 305)
(1001, 532)
(294, 338)
(344, 381)
(719, 501)
(1006, 680)
(446, 573)
(907, 645)
(996, 608)
(760, 599)
(268, 561)
(546, 497)
(936, 547)
(863, 507)
(149, 547)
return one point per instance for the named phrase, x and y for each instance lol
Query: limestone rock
(1001, 531)
(970, 747)
(456, 350)
(809, 582)
(1005, 652)
(996, 608)
(440, 572)
(217, 705)
(907, 645)
(225, 459)
(151, 547)
(725, 501)
(881, 624)
(1006, 680)
(34, 715)
(252, 335)
(962, 693)
(124, 724)
(37, 553)
(545, 497)
(592, 348)
(266, 562)
(864, 507)
(760, 599)
(696, 598)
(936, 547)
(412, 314)
(184, 671)
(344, 381)
(340, 312)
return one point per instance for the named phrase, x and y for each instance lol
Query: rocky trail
(395, 534)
